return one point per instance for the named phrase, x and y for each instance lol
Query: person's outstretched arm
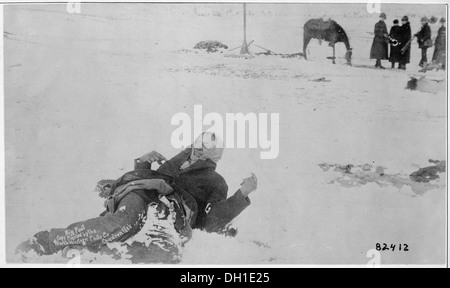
(220, 213)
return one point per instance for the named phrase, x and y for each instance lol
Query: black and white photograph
(224, 133)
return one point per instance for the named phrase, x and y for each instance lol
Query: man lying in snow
(150, 213)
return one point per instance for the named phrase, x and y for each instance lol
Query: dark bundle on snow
(412, 84)
(429, 173)
(426, 85)
(210, 46)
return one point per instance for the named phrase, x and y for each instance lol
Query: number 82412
(392, 247)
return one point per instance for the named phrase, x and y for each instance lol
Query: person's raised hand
(249, 185)
(153, 157)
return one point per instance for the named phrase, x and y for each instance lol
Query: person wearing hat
(424, 40)
(379, 50)
(405, 37)
(439, 55)
(395, 35)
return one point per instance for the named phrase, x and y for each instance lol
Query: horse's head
(348, 56)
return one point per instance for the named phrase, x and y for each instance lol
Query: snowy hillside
(87, 93)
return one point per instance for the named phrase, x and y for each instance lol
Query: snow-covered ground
(87, 93)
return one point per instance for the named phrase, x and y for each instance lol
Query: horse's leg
(306, 40)
(334, 53)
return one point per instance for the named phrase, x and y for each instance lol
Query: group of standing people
(399, 39)
(399, 36)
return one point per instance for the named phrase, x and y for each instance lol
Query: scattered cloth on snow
(360, 175)
(429, 173)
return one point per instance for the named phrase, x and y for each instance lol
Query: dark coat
(380, 46)
(423, 35)
(199, 186)
(406, 35)
(440, 47)
(395, 33)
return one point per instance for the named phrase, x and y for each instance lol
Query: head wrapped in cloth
(207, 146)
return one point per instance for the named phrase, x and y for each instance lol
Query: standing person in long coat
(439, 55)
(405, 32)
(424, 40)
(395, 34)
(379, 49)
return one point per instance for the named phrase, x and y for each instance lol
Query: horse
(329, 31)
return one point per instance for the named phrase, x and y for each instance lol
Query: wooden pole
(245, 22)
(244, 49)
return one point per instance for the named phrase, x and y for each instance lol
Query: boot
(378, 64)
(39, 244)
(424, 68)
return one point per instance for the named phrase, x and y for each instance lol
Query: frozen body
(185, 193)
(85, 93)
